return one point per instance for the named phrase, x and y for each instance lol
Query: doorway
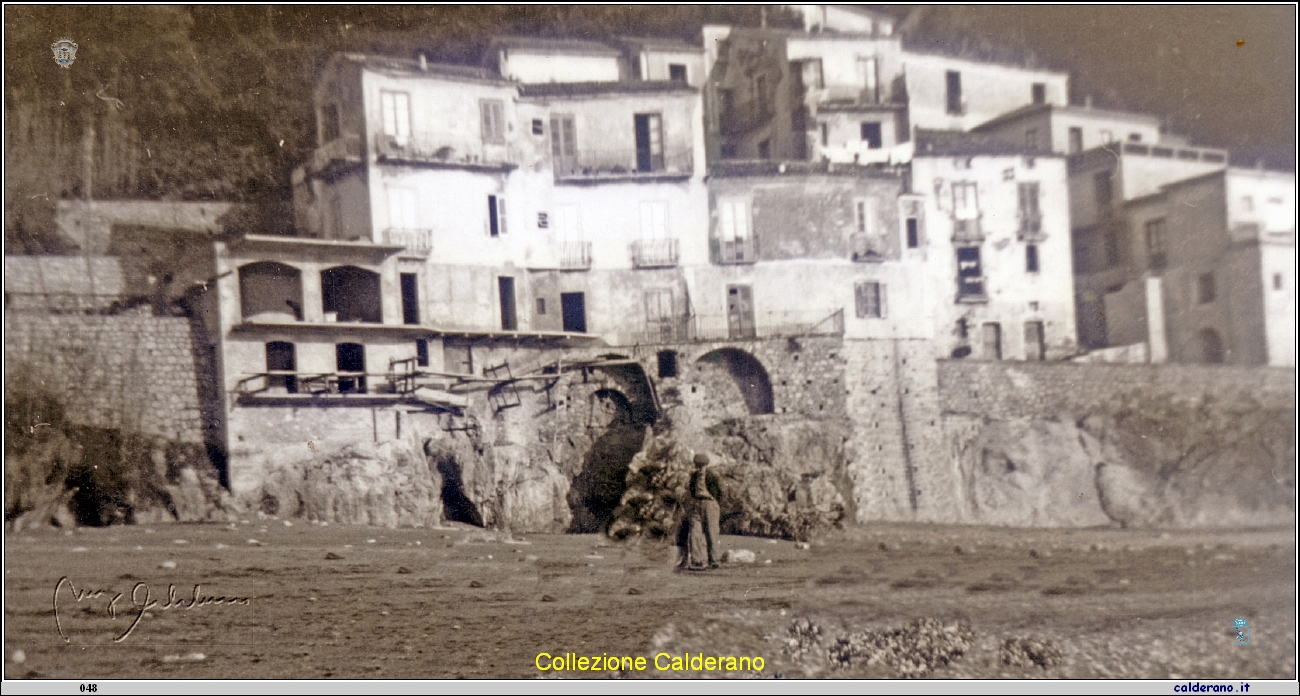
(351, 365)
(649, 143)
(506, 287)
(573, 309)
(740, 311)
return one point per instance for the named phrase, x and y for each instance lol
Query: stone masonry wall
(134, 373)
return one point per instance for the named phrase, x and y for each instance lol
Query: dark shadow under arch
(749, 375)
(456, 506)
(599, 487)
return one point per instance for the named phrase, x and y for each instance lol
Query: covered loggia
(270, 291)
(349, 293)
(749, 374)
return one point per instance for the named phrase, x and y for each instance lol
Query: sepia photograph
(738, 342)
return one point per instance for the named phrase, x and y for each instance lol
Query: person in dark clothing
(703, 517)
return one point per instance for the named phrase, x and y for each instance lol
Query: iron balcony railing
(575, 255)
(654, 253)
(418, 242)
(738, 250)
(624, 163)
(422, 149)
(868, 247)
(967, 230)
(761, 325)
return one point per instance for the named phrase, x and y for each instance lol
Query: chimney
(424, 63)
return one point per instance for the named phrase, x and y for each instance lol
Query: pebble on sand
(169, 565)
(475, 583)
(403, 570)
(18, 657)
(331, 556)
(80, 549)
(180, 541)
(633, 591)
(221, 546)
(192, 657)
(254, 542)
(547, 598)
(739, 556)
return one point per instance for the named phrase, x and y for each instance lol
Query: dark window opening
(280, 358)
(421, 352)
(649, 142)
(1155, 232)
(410, 299)
(667, 364)
(913, 233)
(1205, 288)
(538, 129)
(506, 288)
(871, 134)
(1102, 187)
(573, 312)
(1031, 258)
(270, 291)
(1076, 140)
(351, 294)
(970, 279)
(954, 92)
(496, 216)
(869, 300)
(1039, 91)
(541, 306)
(826, 135)
(351, 364)
(1135, 137)
(329, 123)
(677, 72)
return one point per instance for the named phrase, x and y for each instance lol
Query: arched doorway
(749, 375)
(270, 291)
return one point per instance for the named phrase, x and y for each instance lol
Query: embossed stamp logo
(1243, 631)
(65, 52)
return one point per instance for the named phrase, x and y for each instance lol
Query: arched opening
(280, 358)
(1211, 346)
(270, 291)
(749, 375)
(456, 506)
(351, 294)
(600, 485)
(351, 362)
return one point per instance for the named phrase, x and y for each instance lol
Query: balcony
(654, 253)
(1031, 229)
(575, 256)
(733, 251)
(721, 327)
(433, 152)
(970, 290)
(417, 243)
(624, 164)
(336, 157)
(868, 247)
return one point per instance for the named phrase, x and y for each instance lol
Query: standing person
(706, 492)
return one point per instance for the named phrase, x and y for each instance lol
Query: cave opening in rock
(456, 506)
(599, 487)
(749, 375)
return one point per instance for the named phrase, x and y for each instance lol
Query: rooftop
(755, 168)
(566, 46)
(577, 89)
(1035, 109)
(412, 66)
(657, 44)
(944, 143)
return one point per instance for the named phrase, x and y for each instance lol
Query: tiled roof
(389, 63)
(656, 44)
(941, 143)
(575, 89)
(571, 46)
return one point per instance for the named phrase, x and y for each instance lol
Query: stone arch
(456, 505)
(599, 487)
(352, 293)
(749, 374)
(270, 291)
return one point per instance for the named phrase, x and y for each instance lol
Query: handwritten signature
(141, 602)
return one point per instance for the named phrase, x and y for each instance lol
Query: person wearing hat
(706, 493)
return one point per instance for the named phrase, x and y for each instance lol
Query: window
(1102, 189)
(677, 72)
(870, 299)
(421, 352)
(992, 341)
(913, 233)
(564, 144)
(395, 108)
(1135, 137)
(1031, 139)
(280, 358)
(1039, 92)
(1155, 233)
(1030, 217)
(1277, 281)
(573, 312)
(1205, 290)
(734, 230)
(867, 69)
(537, 127)
(1076, 140)
(351, 366)
(329, 123)
(659, 312)
(410, 298)
(506, 289)
(1211, 347)
(954, 93)
(541, 306)
(970, 279)
(871, 134)
(654, 220)
(912, 212)
(492, 113)
(826, 135)
(765, 150)
(568, 227)
(1035, 342)
(1031, 258)
(864, 215)
(667, 364)
(401, 208)
(649, 142)
(496, 216)
(965, 200)
(543, 221)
